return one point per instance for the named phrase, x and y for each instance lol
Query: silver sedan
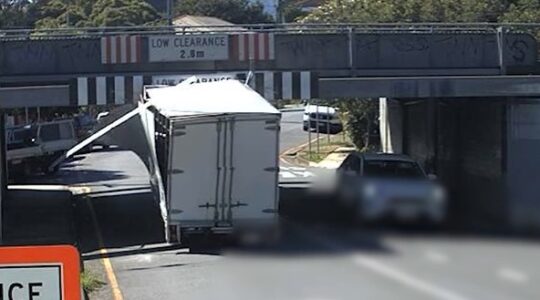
(381, 186)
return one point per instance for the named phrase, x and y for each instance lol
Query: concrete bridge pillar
(391, 125)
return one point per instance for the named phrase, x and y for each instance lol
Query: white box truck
(217, 146)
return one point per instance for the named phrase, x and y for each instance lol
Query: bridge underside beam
(32, 96)
(430, 87)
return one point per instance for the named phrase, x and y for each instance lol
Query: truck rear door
(252, 176)
(194, 184)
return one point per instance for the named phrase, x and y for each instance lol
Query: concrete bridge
(94, 67)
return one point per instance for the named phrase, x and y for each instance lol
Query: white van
(324, 118)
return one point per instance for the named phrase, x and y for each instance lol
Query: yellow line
(117, 293)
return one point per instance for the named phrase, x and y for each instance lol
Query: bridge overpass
(461, 99)
(109, 66)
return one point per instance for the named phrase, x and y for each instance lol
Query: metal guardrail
(297, 28)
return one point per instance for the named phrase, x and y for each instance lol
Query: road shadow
(76, 176)
(38, 217)
(118, 220)
(310, 224)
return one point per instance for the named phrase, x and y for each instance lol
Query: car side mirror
(432, 177)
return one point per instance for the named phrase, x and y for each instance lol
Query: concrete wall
(34, 96)
(478, 182)
(383, 52)
(523, 163)
(50, 57)
(309, 51)
(461, 140)
(418, 132)
(440, 50)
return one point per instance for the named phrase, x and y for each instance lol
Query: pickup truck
(31, 148)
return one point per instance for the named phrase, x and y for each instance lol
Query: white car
(325, 118)
(382, 186)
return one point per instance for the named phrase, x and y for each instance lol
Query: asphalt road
(291, 137)
(332, 263)
(292, 134)
(120, 234)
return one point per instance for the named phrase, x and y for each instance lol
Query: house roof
(207, 23)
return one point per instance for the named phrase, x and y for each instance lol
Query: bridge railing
(297, 28)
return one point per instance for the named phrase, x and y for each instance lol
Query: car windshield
(392, 168)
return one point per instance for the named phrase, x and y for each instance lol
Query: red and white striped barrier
(252, 46)
(121, 49)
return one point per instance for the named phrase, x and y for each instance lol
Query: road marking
(294, 172)
(407, 279)
(117, 293)
(512, 275)
(293, 168)
(436, 257)
(286, 174)
(385, 270)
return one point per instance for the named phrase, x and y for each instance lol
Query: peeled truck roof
(209, 98)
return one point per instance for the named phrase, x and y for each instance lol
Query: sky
(269, 6)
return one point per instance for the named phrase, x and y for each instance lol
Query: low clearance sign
(188, 47)
(40, 273)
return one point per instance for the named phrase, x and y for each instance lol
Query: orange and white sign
(40, 273)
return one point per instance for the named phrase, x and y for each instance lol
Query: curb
(288, 157)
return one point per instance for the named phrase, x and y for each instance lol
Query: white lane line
(286, 174)
(389, 272)
(512, 275)
(436, 257)
(407, 279)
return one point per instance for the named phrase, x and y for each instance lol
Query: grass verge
(324, 146)
(90, 282)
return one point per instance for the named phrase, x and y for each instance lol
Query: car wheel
(359, 219)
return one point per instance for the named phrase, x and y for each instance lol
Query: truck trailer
(217, 146)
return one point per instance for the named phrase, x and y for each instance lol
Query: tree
(360, 117)
(523, 11)
(122, 13)
(63, 13)
(13, 13)
(234, 11)
(289, 11)
(86, 13)
(376, 11)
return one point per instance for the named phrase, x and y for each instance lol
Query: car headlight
(369, 191)
(438, 194)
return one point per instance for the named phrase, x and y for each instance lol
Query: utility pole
(280, 18)
(170, 12)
